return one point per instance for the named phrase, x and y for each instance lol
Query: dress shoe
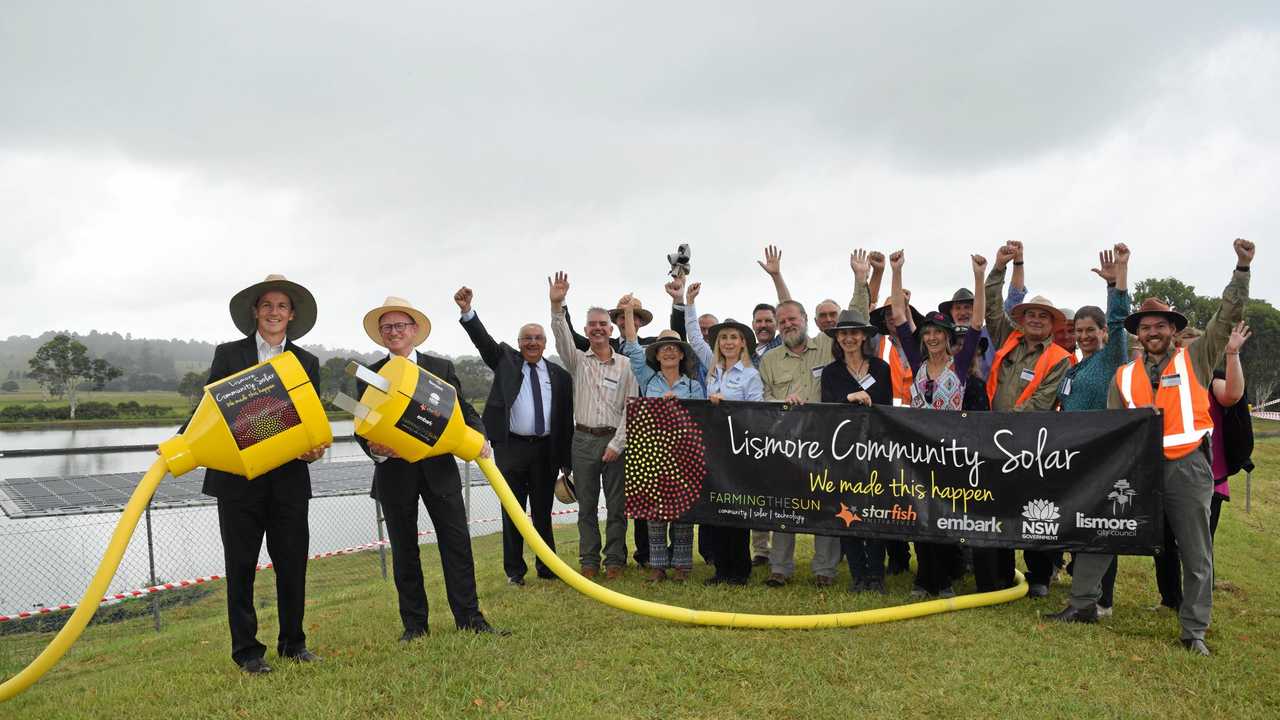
(613, 572)
(1196, 646)
(680, 574)
(1072, 615)
(589, 572)
(1038, 590)
(255, 666)
(655, 575)
(548, 575)
(776, 580)
(481, 626)
(759, 560)
(411, 635)
(515, 580)
(823, 580)
(303, 656)
(736, 581)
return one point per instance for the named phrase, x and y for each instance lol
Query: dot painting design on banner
(665, 463)
(261, 418)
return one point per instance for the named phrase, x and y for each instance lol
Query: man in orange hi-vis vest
(1025, 374)
(1174, 382)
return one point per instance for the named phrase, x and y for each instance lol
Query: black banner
(255, 405)
(1088, 481)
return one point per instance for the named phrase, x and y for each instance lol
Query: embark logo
(966, 524)
(1040, 520)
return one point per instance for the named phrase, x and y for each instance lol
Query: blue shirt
(652, 383)
(738, 382)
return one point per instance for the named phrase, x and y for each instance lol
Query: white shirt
(266, 351)
(522, 419)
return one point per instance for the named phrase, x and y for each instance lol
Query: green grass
(573, 657)
(164, 398)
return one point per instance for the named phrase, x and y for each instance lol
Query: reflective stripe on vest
(1187, 436)
(887, 354)
(1051, 356)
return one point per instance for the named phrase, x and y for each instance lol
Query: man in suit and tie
(529, 419)
(397, 484)
(272, 314)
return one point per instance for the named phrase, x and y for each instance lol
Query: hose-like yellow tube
(70, 632)
(728, 619)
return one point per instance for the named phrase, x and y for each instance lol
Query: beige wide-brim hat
(643, 317)
(670, 337)
(1043, 303)
(396, 304)
(304, 306)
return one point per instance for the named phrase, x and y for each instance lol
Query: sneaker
(1038, 590)
(776, 580)
(1071, 615)
(1104, 611)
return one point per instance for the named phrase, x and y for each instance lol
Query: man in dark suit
(397, 484)
(529, 419)
(272, 314)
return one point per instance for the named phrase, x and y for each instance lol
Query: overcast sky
(157, 157)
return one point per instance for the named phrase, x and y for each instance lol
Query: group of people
(980, 350)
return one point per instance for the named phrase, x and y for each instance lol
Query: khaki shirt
(785, 373)
(1009, 383)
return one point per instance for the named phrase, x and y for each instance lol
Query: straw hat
(304, 306)
(1152, 306)
(1043, 303)
(396, 304)
(670, 337)
(643, 317)
(565, 490)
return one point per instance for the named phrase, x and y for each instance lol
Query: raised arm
(979, 296)
(627, 303)
(1206, 351)
(675, 289)
(861, 265)
(876, 258)
(899, 309)
(998, 323)
(484, 343)
(1230, 391)
(559, 287)
(772, 264)
(1113, 267)
(693, 333)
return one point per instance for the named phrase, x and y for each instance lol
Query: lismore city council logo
(1121, 497)
(1040, 520)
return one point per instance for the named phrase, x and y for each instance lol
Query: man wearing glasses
(529, 419)
(399, 327)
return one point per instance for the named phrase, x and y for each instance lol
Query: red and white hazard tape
(177, 585)
(1266, 414)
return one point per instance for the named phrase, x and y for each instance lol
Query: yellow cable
(728, 619)
(70, 632)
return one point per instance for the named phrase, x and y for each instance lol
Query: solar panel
(87, 494)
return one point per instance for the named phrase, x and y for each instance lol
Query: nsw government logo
(1040, 520)
(1121, 504)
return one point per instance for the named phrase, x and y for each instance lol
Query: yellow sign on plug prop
(252, 422)
(411, 411)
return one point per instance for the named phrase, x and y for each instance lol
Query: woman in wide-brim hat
(244, 303)
(373, 319)
(688, 363)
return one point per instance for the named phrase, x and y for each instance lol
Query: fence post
(151, 562)
(466, 492)
(382, 548)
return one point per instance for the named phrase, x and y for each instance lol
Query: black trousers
(731, 550)
(705, 543)
(449, 517)
(1039, 566)
(526, 464)
(268, 507)
(935, 566)
(641, 530)
(992, 568)
(899, 554)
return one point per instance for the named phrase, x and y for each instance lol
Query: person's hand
(772, 261)
(692, 293)
(1107, 266)
(794, 399)
(896, 259)
(1239, 334)
(715, 399)
(979, 265)
(314, 453)
(486, 452)
(559, 287)
(858, 261)
(859, 398)
(383, 450)
(1121, 253)
(675, 289)
(1017, 250)
(624, 301)
(1004, 255)
(1244, 251)
(463, 298)
(876, 260)
(609, 455)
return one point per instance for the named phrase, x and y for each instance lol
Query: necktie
(535, 385)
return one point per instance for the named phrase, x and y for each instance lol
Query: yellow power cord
(70, 632)
(728, 619)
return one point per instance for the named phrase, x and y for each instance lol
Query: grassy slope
(572, 657)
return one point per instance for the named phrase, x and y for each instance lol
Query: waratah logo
(1121, 497)
(1040, 510)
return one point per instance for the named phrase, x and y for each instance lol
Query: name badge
(1027, 375)
(1170, 380)
(866, 382)
(609, 383)
(1066, 387)
(816, 373)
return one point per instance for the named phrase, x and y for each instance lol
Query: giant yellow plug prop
(416, 414)
(248, 424)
